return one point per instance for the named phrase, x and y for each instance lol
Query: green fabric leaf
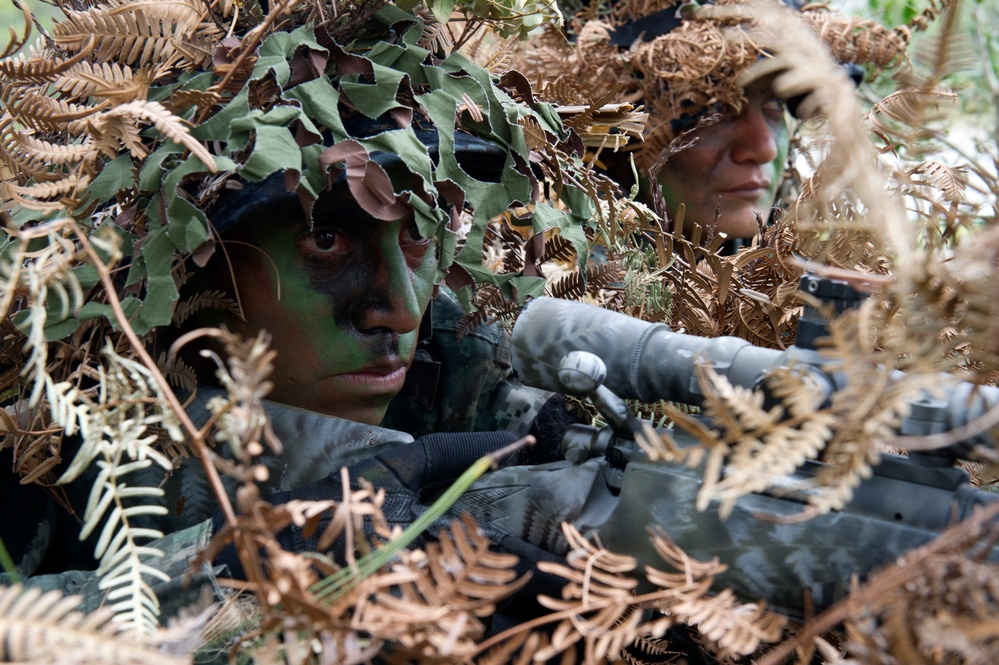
(274, 150)
(117, 175)
(442, 10)
(151, 173)
(277, 50)
(156, 256)
(319, 100)
(219, 126)
(376, 98)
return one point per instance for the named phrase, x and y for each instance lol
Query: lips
(374, 380)
(749, 189)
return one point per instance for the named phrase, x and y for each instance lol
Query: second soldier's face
(731, 173)
(342, 301)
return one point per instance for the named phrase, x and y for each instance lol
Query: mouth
(374, 380)
(753, 189)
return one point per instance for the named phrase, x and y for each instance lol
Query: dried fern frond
(438, 605)
(140, 32)
(37, 627)
(600, 594)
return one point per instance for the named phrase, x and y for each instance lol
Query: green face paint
(342, 301)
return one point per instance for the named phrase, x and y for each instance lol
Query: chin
(739, 225)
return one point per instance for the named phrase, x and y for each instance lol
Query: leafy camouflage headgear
(677, 59)
(137, 115)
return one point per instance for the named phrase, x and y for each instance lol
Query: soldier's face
(343, 302)
(732, 171)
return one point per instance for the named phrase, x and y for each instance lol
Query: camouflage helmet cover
(678, 59)
(141, 135)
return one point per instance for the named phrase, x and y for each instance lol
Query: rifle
(607, 484)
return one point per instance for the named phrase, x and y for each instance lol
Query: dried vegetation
(884, 214)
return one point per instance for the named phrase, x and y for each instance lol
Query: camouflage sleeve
(184, 589)
(465, 385)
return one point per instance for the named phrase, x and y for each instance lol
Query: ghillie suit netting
(127, 120)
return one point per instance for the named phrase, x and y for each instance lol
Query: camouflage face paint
(343, 302)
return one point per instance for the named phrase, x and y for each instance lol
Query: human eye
(409, 234)
(773, 108)
(323, 241)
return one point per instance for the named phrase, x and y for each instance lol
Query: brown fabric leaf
(368, 182)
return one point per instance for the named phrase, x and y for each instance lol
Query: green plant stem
(7, 563)
(336, 585)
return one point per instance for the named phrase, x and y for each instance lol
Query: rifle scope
(649, 362)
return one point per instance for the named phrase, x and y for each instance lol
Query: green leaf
(377, 98)
(151, 174)
(117, 175)
(274, 150)
(156, 258)
(319, 100)
(442, 10)
(219, 126)
(278, 49)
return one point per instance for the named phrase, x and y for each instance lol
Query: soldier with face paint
(715, 146)
(347, 180)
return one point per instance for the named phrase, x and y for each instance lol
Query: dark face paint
(732, 172)
(343, 302)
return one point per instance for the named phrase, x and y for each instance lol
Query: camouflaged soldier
(341, 202)
(712, 143)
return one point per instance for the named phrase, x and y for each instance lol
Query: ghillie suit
(124, 133)
(681, 64)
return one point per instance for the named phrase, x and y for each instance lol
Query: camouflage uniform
(470, 388)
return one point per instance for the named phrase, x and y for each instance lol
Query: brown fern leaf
(857, 40)
(436, 601)
(470, 322)
(599, 593)
(570, 286)
(109, 81)
(42, 193)
(736, 628)
(951, 181)
(138, 33)
(518, 649)
(179, 374)
(38, 69)
(558, 249)
(901, 117)
(36, 153)
(603, 276)
(465, 574)
(167, 124)
(16, 43)
(533, 132)
(40, 112)
(181, 100)
(564, 91)
(436, 36)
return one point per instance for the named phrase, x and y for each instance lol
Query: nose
(754, 139)
(390, 301)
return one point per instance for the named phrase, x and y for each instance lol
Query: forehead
(287, 212)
